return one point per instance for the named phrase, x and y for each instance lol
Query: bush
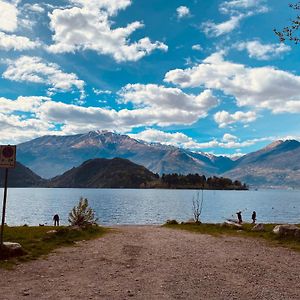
(82, 215)
(172, 222)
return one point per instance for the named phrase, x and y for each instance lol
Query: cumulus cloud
(37, 8)
(19, 43)
(34, 69)
(237, 10)
(22, 104)
(197, 47)
(261, 87)
(152, 105)
(173, 102)
(224, 118)
(261, 51)
(178, 139)
(86, 26)
(8, 16)
(182, 12)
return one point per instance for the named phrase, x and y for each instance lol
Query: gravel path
(150, 262)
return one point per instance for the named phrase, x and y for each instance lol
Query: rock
(231, 225)
(190, 221)
(258, 227)
(287, 230)
(11, 250)
(75, 227)
(51, 231)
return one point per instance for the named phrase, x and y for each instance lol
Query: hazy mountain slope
(104, 173)
(21, 176)
(275, 165)
(49, 156)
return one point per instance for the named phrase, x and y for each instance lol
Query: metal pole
(4, 207)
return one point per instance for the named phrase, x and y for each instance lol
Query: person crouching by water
(253, 217)
(56, 220)
(239, 216)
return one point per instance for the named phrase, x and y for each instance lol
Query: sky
(204, 75)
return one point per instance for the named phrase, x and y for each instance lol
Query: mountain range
(277, 165)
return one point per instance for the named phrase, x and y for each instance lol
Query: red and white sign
(7, 156)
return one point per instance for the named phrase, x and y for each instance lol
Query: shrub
(172, 222)
(82, 215)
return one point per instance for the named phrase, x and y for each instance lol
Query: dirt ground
(150, 262)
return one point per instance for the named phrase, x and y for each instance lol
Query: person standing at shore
(253, 217)
(56, 220)
(239, 216)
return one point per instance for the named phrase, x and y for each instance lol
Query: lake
(150, 206)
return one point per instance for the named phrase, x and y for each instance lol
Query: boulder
(232, 225)
(11, 250)
(51, 231)
(287, 230)
(258, 227)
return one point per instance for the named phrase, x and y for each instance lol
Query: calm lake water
(128, 206)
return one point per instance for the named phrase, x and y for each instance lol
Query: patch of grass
(37, 242)
(244, 231)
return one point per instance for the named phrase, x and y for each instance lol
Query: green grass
(36, 242)
(245, 231)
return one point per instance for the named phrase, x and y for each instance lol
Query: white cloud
(237, 10)
(261, 51)
(86, 26)
(232, 6)
(197, 47)
(23, 104)
(152, 105)
(18, 43)
(34, 7)
(181, 106)
(212, 29)
(15, 129)
(8, 16)
(101, 92)
(182, 12)
(178, 139)
(227, 137)
(34, 69)
(261, 87)
(224, 118)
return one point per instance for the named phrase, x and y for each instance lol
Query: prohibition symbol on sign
(7, 156)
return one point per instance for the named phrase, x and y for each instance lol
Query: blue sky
(205, 75)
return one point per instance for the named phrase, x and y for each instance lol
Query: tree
(289, 32)
(197, 207)
(82, 214)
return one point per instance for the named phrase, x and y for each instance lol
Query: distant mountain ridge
(21, 176)
(49, 156)
(276, 165)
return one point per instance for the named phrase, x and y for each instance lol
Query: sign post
(7, 161)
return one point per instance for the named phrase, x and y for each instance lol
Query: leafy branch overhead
(82, 214)
(289, 32)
